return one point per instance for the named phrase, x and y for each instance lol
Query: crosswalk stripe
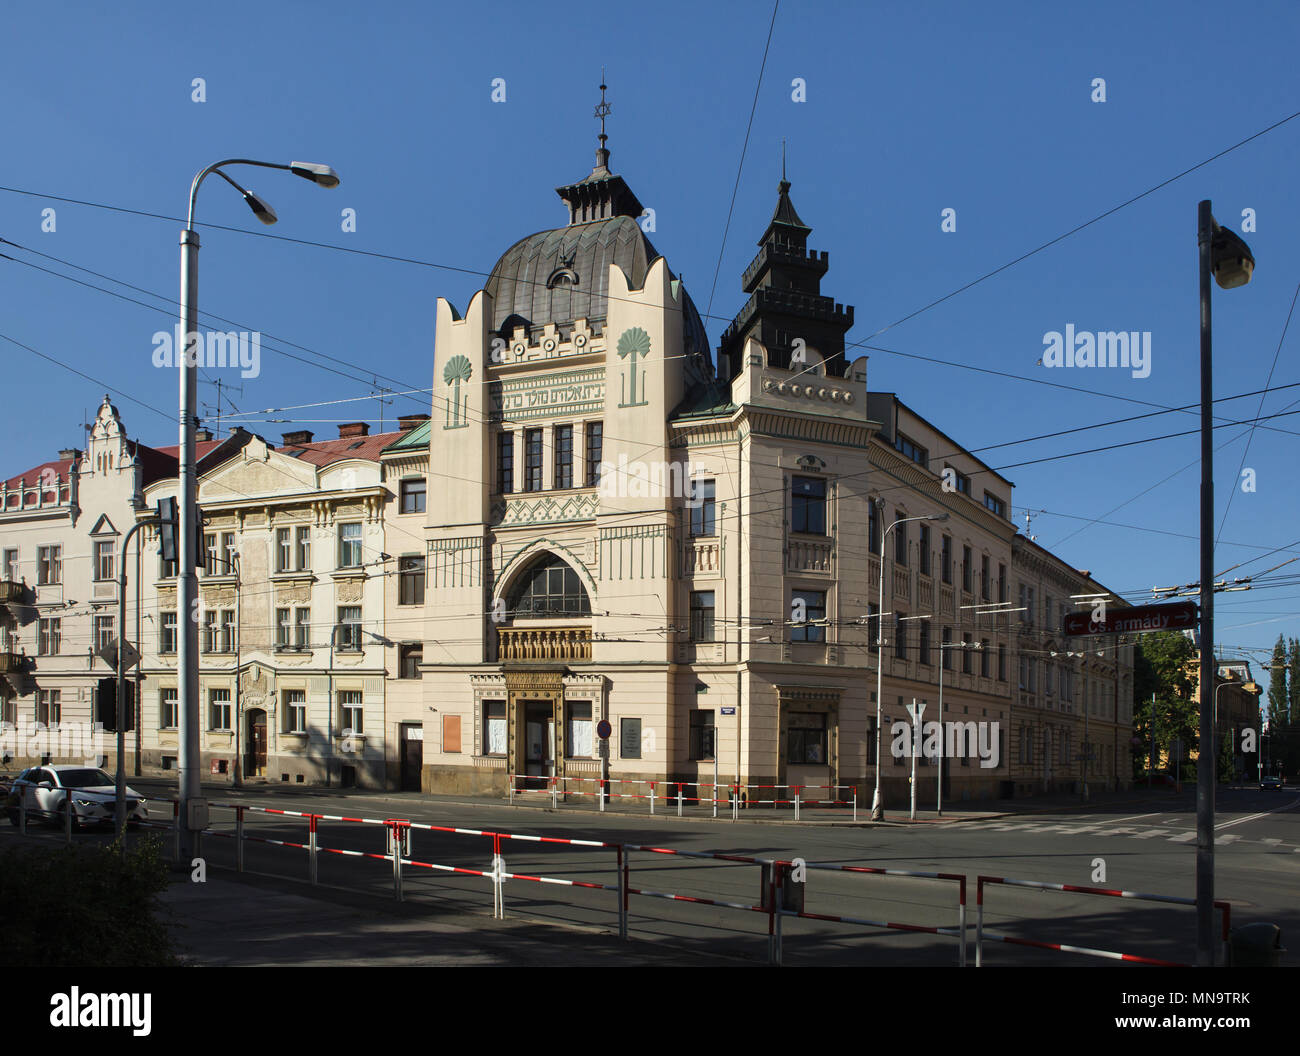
(1184, 837)
(1232, 837)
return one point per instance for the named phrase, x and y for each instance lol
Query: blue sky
(910, 109)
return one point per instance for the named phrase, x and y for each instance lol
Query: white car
(46, 790)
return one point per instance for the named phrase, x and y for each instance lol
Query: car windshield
(87, 778)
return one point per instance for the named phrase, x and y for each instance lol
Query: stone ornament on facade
(634, 344)
(458, 369)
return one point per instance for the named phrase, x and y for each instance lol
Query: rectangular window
(1024, 673)
(1002, 583)
(295, 711)
(595, 443)
(1029, 601)
(923, 643)
(532, 460)
(104, 634)
(410, 580)
(925, 550)
(945, 559)
(806, 739)
(578, 735)
(49, 565)
(283, 550)
(995, 504)
(350, 545)
(409, 658)
(564, 456)
(900, 540)
(411, 495)
(873, 526)
(1033, 676)
(302, 628)
(283, 628)
(967, 573)
(227, 553)
(505, 463)
(228, 630)
(494, 727)
(703, 508)
(104, 561)
(209, 631)
(965, 654)
(900, 637)
(960, 481)
(912, 450)
(814, 608)
(946, 658)
(985, 658)
(11, 565)
(348, 635)
(875, 631)
(702, 616)
(808, 505)
(302, 544)
(701, 734)
(350, 715)
(167, 632)
(167, 709)
(1002, 663)
(49, 636)
(629, 734)
(219, 709)
(985, 585)
(209, 554)
(49, 706)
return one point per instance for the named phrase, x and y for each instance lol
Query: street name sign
(1178, 616)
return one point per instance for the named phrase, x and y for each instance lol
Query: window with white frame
(283, 550)
(350, 711)
(302, 547)
(494, 727)
(210, 640)
(104, 571)
(49, 706)
(167, 632)
(11, 564)
(49, 635)
(167, 708)
(350, 545)
(219, 710)
(49, 565)
(104, 631)
(349, 629)
(295, 711)
(302, 628)
(283, 628)
(579, 743)
(227, 630)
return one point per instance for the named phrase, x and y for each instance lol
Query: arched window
(549, 587)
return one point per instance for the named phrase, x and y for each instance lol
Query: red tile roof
(323, 453)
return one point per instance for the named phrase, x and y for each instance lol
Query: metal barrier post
(679, 799)
(498, 891)
(796, 801)
(620, 878)
(735, 802)
(554, 803)
(311, 846)
(602, 795)
(239, 839)
(961, 923)
(396, 833)
(855, 803)
(652, 797)
(626, 856)
(715, 798)
(22, 817)
(511, 779)
(771, 916)
(67, 821)
(176, 831)
(979, 922)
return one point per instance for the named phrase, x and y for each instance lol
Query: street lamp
(193, 819)
(877, 807)
(1229, 260)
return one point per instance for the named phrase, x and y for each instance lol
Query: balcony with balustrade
(539, 644)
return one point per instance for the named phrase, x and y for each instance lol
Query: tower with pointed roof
(786, 303)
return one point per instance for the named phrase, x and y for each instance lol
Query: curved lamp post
(187, 660)
(877, 807)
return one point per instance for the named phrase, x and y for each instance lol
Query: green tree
(1164, 665)
(1293, 690)
(1278, 706)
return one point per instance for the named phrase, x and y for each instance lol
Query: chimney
(406, 422)
(69, 454)
(302, 436)
(202, 434)
(354, 429)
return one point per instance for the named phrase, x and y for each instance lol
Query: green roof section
(416, 440)
(706, 400)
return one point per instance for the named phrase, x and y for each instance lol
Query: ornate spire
(602, 111)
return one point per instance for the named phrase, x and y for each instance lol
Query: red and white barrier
(981, 934)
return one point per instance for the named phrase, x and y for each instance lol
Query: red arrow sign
(1179, 616)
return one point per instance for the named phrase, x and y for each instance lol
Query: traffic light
(168, 522)
(106, 704)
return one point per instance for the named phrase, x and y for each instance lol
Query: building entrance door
(539, 742)
(412, 755)
(256, 763)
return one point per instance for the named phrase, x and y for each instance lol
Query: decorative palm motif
(458, 369)
(634, 343)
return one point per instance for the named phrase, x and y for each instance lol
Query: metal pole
(187, 588)
(938, 802)
(1205, 761)
(236, 777)
(916, 735)
(877, 807)
(119, 811)
(139, 700)
(239, 839)
(1087, 745)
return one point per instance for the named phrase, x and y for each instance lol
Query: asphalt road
(1148, 847)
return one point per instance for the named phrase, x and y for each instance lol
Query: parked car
(45, 792)
(1163, 778)
(1270, 781)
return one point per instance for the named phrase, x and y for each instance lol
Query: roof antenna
(783, 180)
(1028, 518)
(602, 110)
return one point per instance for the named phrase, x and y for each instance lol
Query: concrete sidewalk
(247, 920)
